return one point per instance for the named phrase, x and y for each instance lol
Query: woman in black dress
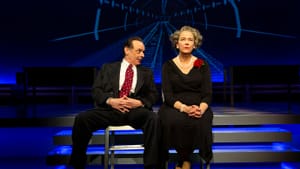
(185, 115)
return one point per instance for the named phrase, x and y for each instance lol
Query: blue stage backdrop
(90, 33)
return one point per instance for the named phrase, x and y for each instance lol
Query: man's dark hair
(128, 42)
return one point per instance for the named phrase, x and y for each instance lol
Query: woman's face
(186, 42)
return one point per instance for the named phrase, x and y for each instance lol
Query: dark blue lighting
(234, 35)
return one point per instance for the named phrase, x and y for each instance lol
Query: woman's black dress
(178, 129)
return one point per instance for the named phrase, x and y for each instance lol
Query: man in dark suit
(133, 109)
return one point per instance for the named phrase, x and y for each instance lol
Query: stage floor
(38, 123)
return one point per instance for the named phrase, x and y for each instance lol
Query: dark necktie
(125, 90)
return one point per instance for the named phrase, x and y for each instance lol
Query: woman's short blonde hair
(174, 37)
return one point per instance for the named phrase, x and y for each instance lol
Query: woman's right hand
(193, 111)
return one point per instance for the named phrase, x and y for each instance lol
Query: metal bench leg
(106, 154)
(112, 161)
(110, 147)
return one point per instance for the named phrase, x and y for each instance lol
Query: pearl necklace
(185, 65)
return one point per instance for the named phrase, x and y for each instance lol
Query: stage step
(225, 153)
(221, 135)
(240, 136)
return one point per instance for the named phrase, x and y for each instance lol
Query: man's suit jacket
(106, 85)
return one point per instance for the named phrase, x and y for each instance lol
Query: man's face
(135, 54)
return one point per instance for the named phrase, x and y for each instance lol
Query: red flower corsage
(198, 63)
